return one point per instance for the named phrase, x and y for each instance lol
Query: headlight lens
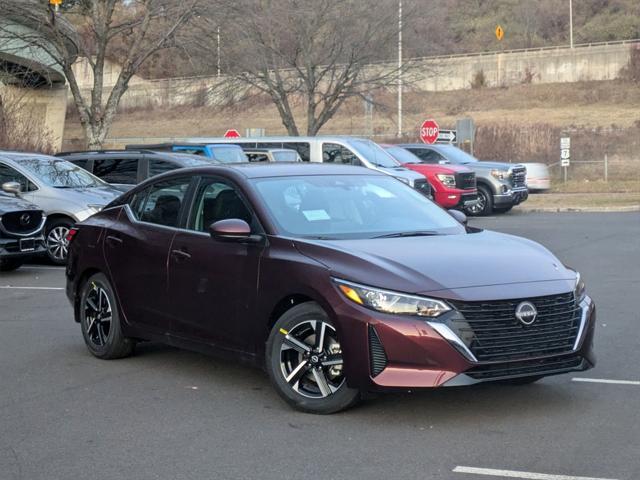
(447, 180)
(403, 180)
(392, 302)
(580, 288)
(500, 174)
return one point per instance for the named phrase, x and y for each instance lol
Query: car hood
(444, 262)
(492, 165)
(10, 203)
(437, 168)
(89, 196)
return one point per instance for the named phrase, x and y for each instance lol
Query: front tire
(485, 203)
(100, 320)
(305, 363)
(56, 241)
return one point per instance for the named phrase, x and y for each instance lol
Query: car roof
(434, 146)
(14, 155)
(288, 169)
(131, 153)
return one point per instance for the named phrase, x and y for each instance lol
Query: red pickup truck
(453, 186)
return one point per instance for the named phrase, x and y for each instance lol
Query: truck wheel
(485, 203)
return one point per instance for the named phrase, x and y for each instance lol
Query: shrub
(479, 80)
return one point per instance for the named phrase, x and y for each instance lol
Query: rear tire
(10, 264)
(100, 320)
(308, 374)
(56, 242)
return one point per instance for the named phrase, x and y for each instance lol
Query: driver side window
(427, 156)
(217, 200)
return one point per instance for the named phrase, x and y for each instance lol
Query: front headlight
(447, 180)
(580, 288)
(392, 302)
(403, 180)
(500, 174)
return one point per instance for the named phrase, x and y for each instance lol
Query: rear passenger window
(156, 167)
(303, 149)
(333, 153)
(116, 170)
(161, 203)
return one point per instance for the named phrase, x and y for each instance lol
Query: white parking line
(516, 474)
(12, 287)
(605, 380)
(37, 267)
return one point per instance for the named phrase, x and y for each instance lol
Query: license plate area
(27, 244)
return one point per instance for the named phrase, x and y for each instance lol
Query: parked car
(272, 155)
(334, 149)
(65, 192)
(320, 274)
(501, 186)
(21, 228)
(453, 186)
(538, 177)
(219, 153)
(125, 168)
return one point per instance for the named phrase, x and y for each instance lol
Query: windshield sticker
(316, 215)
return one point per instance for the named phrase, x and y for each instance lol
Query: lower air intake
(377, 357)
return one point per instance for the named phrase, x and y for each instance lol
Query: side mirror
(459, 216)
(12, 187)
(233, 230)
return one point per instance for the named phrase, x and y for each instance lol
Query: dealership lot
(172, 414)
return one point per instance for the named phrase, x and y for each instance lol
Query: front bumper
(511, 197)
(412, 353)
(456, 198)
(22, 247)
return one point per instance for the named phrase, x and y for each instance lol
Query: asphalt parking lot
(171, 414)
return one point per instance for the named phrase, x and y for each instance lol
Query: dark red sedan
(336, 279)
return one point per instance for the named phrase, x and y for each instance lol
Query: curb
(622, 208)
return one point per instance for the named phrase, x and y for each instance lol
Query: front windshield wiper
(416, 233)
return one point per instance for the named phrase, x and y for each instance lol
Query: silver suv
(66, 192)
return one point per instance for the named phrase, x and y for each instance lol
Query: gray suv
(66, 192)
(501, 186)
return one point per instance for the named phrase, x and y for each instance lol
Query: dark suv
(21, 229)
(501, 186)
(125, 168)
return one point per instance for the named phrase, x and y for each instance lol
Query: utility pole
(399, 68)
(571, 23)
(218, 51)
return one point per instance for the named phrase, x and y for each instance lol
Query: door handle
(113, 241)
(180, 255)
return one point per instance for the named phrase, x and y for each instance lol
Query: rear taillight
(71, 234)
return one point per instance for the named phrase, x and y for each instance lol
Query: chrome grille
(22, 222)
(519, 177)
(494, 333)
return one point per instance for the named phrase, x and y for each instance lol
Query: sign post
(565, 154)
(429, 131)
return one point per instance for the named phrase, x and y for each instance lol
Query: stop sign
(429, 131)
(233, 133)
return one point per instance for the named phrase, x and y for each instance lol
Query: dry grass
(581, 201)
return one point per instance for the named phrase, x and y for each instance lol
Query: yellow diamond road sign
(55, 2)
(499, 32)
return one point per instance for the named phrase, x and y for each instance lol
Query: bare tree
(317, 54)
(129, 31)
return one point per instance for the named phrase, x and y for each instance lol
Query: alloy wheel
(311, 359)
(57, 244)
(480, 204)
(97, 315)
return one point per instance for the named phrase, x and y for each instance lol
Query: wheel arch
(52, 217)
(486, 184)
(82, 278)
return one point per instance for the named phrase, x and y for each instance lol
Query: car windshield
(228, 153)
(60, 173)
(402, 155)
(455, 155)
(374, 153)
(351, 206)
